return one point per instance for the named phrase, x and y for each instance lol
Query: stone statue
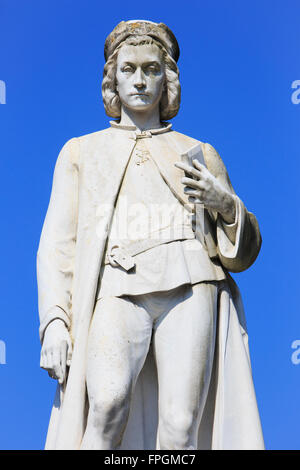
(141, 323)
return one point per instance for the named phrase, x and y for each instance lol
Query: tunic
(147, 214)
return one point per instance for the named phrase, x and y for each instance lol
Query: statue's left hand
(205, 187)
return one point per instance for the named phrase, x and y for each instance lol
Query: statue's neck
(142, 120)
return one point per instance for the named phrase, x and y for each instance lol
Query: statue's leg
(118, 344)
(184, 347)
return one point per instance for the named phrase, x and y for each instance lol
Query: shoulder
(94, 140)
(73, 148)
(213, 161)
(94, 136)
(87, 138)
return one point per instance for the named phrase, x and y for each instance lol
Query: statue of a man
(141, 324)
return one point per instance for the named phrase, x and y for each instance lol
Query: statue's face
(140, 76)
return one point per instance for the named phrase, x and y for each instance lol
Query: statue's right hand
(56, 350)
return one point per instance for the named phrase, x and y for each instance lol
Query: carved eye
(127, 68)
(152, 68)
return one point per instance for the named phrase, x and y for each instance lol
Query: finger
(56, 363)
(192, 192)
(192, 183)
(184, 165)
(50, 364)
(200, 187)
(195, 196)
(63, 361)
(189, 170)
(69, 355)
(180, 165)
(198, 165)
(196, 200)
(44, 360)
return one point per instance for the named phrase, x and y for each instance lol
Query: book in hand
(195, 153)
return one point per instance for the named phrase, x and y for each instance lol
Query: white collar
(148, 133)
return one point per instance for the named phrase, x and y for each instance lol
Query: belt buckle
(119, 257)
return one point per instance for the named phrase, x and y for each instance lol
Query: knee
(106, 413)
(177, 430)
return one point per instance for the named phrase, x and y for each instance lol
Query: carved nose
(139, 79)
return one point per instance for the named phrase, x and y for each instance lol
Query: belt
(118, 255)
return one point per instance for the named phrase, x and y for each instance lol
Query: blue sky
(238, 61)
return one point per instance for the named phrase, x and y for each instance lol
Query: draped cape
(86, 182)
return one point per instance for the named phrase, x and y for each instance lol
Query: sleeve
(55, 257)
(238, 244)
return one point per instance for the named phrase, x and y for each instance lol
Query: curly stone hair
(170, 100)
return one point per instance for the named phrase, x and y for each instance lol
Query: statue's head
(141, 71)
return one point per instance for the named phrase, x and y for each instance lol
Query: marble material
(166, 326)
